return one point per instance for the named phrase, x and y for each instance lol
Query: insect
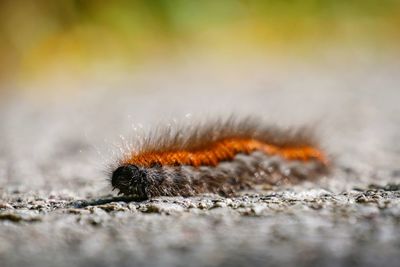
(219, 156)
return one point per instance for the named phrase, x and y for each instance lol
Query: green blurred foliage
(39, 34)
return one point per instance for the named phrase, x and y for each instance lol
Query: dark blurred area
(73, 38)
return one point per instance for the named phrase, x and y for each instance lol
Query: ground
(56, 204)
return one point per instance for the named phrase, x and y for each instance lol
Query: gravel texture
(57, 208)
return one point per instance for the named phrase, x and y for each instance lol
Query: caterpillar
(220, 157)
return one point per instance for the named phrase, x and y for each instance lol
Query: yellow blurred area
(43, 37)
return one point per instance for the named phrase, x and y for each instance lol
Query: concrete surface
(56, 206)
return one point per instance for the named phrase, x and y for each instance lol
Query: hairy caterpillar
(222, 157)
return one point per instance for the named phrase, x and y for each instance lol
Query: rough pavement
(56, 206)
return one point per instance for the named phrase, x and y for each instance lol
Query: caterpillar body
(221, 157)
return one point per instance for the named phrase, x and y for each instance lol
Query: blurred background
(76, 75)
(81, 79)
(42, 40)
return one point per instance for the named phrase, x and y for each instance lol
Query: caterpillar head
(130, 180)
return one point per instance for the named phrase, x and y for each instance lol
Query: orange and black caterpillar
(219, 157)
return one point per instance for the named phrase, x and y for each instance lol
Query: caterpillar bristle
(221, 157)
